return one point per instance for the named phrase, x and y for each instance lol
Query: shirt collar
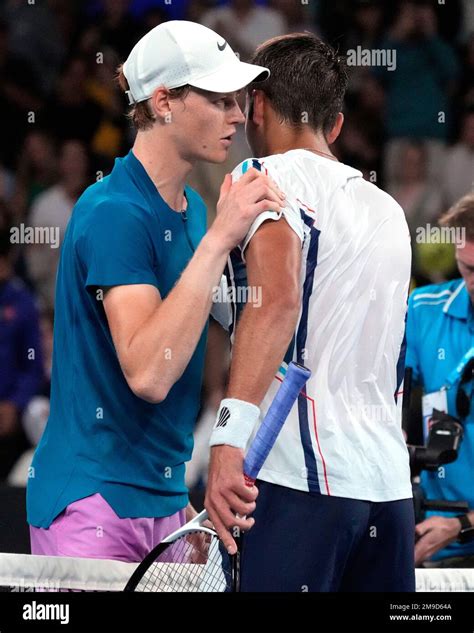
(140, 176)
(458, 305)
(146, 184)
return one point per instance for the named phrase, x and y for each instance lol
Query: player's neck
(165, 167)
(289, 139)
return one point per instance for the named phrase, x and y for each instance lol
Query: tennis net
(24, 572)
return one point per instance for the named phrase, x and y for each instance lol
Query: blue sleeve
(30, 368)
(412, 332)
(117, 248)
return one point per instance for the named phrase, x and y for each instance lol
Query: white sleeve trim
(295, 223)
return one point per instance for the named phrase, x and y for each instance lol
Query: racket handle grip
(249, 481)
(295, 379)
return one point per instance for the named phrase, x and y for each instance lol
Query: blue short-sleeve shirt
(440, 330)
(100, 437)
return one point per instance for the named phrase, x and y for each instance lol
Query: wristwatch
(466, 535)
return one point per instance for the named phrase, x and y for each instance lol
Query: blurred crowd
(409, 129)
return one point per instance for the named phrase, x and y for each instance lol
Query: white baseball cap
(177, 53)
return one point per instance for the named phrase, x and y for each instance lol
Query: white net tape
(23, 572)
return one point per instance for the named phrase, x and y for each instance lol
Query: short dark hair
(307, 77)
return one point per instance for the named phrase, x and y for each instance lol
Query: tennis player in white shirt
(334, 510)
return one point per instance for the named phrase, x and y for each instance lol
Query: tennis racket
(193, 559)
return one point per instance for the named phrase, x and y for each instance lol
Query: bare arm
(155, 339)
(215, 379)
(264, 333)
(262, 338)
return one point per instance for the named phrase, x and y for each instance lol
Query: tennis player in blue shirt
(134, 292)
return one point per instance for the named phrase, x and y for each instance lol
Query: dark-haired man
(334, 511)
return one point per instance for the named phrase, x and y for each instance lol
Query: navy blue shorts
(310, 542)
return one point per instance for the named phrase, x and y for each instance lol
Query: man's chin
(217, 157)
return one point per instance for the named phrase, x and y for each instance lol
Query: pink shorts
(89, 528)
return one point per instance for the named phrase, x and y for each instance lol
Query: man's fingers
(266, 205)
(238, 505)
(423, 549)
(223, 533)
(231, 520)
(264, 192)
(264, 188)
(226, 515)
(257, 177)
(422, 528)
(250, 175)
(226, 185)
(245, 493)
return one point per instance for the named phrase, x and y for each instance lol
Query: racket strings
(196, 562)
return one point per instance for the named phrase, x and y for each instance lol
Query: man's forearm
(167, 340)
(262, 339)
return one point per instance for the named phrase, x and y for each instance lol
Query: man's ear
(257, 107)
(160, 103)
(336, 130)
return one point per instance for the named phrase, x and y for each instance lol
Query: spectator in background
(35, 37)
(7, 184)
(101, 88)
(19, 95)
(367, 24)
(441, 317)
(53, 208)
(418, 89)
(21, 371)
(362, 136)
(468, 19)
(365, 31)
(36, 413)
(422, 203)
(458, 171)
(174, 10)
(154, 16)
(245, 25)
(36, 171)
(196, 9)
(114, 27)
(420, 200)
(355, 148)
(466, 84)
(72, 113)
(296, 14)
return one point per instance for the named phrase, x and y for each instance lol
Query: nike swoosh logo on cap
(221, 46)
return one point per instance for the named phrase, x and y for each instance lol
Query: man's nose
(237, 115)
